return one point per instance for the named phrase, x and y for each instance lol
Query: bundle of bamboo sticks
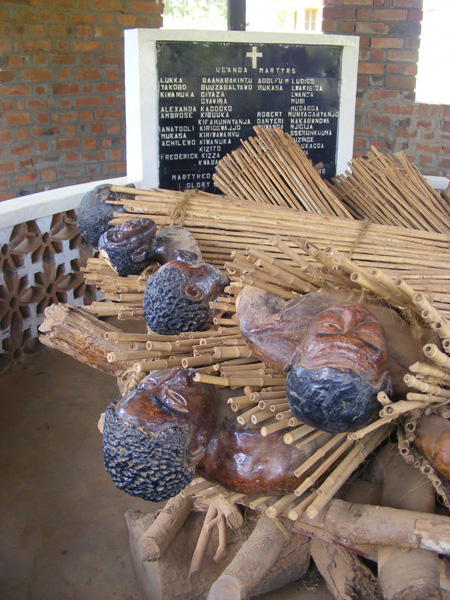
(390, 190)
(272, 168)
(222, 225)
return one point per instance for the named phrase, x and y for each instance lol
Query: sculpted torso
(220, 449)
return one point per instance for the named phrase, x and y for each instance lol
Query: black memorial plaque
(211, 94)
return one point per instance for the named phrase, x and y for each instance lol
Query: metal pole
(236, 15)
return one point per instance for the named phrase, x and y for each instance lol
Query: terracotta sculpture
(156, 436)
(177, 296)
(128, 247)
(94, 214)
(335, 352)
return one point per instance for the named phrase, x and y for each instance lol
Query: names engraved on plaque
(211, 94)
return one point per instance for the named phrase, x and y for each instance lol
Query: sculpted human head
(177, 296)
(339, 369)
(155, 435)
(128, 247)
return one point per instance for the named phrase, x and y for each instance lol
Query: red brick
(83, 19)
(386, 42)
(65, 88)
(48, 175)
(20, 150)
(17, 119)
(371, 68)
(394, 68)
(88, 101)
(21, 134)
(66, 144)
(18, 90)
(407, 3)
(431, 149)
(362, 81)
(399, 109)
(40, 60)
(87, 74)
(5, 136)
(91, 156)
(127, 20)
(38, 45)
(403, 55)
(15, 61)
(390, 14)
(88, 46)
(64, 74)
(347, 27)
(6, 168)
(37, 75)
(89, 143)
(409, 69)
(329, 26)
(364, 14)
(7, 77)
(63, 59)
(415, 15)
(151, 7)
(368, 27)
(109, 5)
(378, 55)
(28, 178)
(380, 120)
(331, 12)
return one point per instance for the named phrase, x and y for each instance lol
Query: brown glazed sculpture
(335, 351)
(128, 247)
(177, 296)
(159, 434)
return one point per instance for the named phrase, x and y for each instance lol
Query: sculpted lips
(346, 336)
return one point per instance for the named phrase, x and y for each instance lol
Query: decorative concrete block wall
(40, 263)
(62, 117)
(387, 115)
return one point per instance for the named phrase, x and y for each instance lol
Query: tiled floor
(62, 527)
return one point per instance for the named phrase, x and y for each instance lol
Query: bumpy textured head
(177, 296)
(93, 214)
(332, 399)
(128, 246)
(339, 369)
(150, 464)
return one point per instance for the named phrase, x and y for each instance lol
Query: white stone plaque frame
(141, 89)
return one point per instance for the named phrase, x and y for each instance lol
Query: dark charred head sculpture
(339, 369)
(94, 214)
(158, 434)
(154, 436)
(338, 354)
(177, 296)
(128, 247)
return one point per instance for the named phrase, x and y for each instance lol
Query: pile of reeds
(224, 225)
(390, 190)
(272, 168)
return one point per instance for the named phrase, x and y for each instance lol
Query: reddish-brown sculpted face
(346, 336)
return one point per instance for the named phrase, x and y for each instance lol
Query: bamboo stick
(343, 471)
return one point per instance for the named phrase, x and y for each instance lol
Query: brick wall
(387, 115)
(62, 90)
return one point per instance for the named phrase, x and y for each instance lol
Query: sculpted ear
(175, 402)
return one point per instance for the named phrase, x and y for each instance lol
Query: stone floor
(62, 528)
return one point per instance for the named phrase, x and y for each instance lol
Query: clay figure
(128, 247)
(335, 353)
(94, 214)
(177, 296)
(157, 436)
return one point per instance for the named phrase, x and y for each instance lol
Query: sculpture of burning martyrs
(327, 459)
